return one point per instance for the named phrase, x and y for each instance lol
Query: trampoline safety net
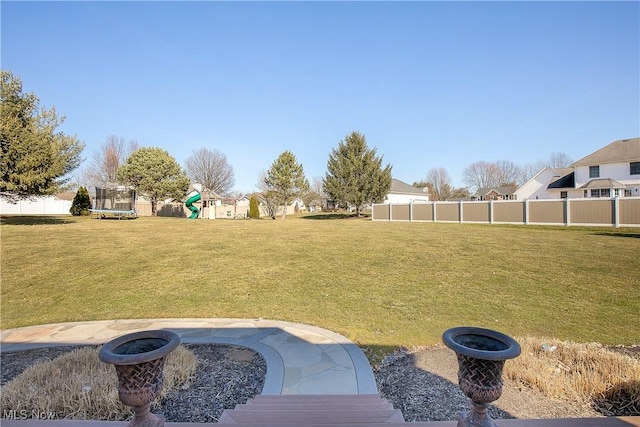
(115, 199)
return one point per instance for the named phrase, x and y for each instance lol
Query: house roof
(622, 150)
(566, 179)
(499, 190)
(399, 187)
(67, 195)
(603, 183)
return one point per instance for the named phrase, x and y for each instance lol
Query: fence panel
(590, 211)
(547, 212)
(509, 212)
(39, 206)
(476, 212)
(448, 211)
(143, 208)
(400, 212)
(422, 212)
(629, 211)
(606, 212)
(380, 212)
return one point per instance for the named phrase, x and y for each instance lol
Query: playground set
(120, 202)
(201, 202)
(195, 211)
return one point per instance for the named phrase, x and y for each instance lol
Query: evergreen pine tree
(254, 212)
(81, 203)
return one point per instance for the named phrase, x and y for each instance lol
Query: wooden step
(311, 405)
(313, 410)
(311, 417)
(338, 398)
(370, 402)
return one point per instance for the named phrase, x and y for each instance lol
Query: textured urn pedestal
(139, 362)
(481, 356)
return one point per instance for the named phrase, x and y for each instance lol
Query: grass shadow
(34, 220)
(339, 215)
(618, 234)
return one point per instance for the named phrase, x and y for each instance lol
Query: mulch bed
(421, 385)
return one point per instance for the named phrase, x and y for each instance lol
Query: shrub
(77, 385)
(587, 373)
(254, 212)
(81, 203)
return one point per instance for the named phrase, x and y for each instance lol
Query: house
(612, 171)
(495, 193)
(401, 192)
(239, 207)
(547, 184)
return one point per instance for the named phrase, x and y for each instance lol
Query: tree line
(37, 160)
(484, 174)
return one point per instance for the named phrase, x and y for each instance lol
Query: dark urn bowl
(139, 361)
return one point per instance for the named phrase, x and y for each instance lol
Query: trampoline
(114, 202)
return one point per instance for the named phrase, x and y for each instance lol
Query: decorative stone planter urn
(481, 356)
(139, 362)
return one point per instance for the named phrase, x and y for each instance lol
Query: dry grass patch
(77, 385)
(587, 373)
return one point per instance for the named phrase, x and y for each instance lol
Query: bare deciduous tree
(507, 173)
(269, 198)
(491, 174)
(315, 194)
(439, 184)
(211, 169)
(105, 162)
(529, 170)
(480, 175)
(559, 160)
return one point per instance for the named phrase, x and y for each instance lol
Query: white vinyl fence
(40, 206)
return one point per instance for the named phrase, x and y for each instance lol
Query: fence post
(460, 212)
(616, 211)
(567, 212)
(390, 212)
(491, 211)
(411, 211)
(526, 211)
(433, 209)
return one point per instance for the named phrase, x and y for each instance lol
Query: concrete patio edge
(301, 359)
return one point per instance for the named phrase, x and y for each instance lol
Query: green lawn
(380, 284)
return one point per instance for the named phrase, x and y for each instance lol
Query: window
(586, 193)
(616, 192)
(563, 194)
(634, 168)
(595, 192)
(627, 192)
(605, 192)
(594, 171)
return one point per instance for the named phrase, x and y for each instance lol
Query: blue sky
(430, 84)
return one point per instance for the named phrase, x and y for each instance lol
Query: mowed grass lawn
(380, 284)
